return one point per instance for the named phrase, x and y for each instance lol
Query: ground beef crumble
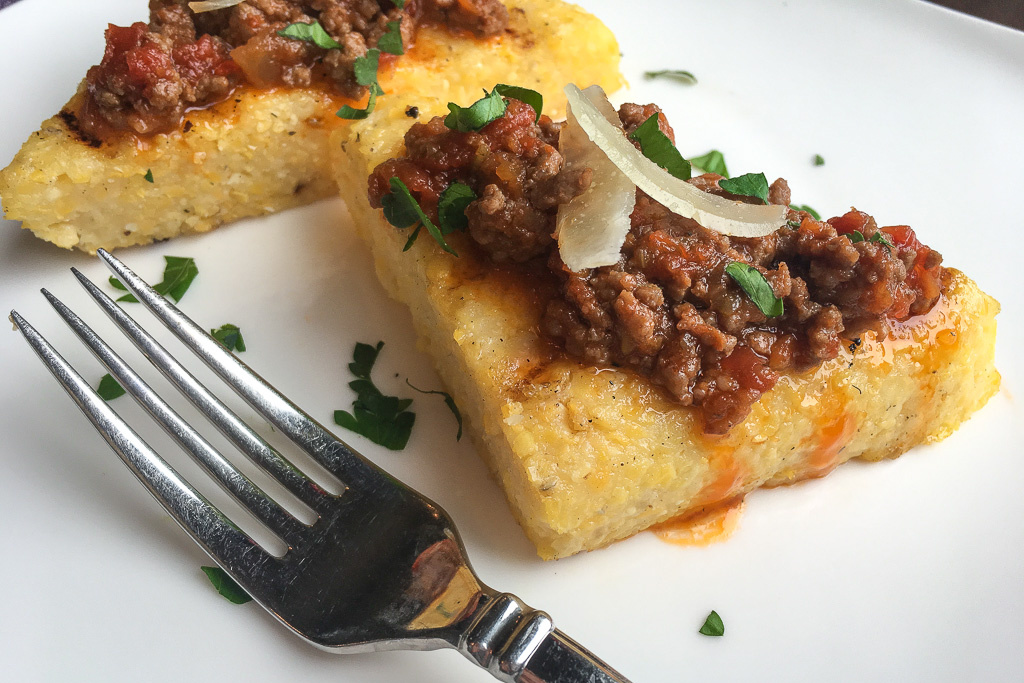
(152, 73)
(667, 309)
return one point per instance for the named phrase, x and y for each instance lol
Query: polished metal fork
(380, 568)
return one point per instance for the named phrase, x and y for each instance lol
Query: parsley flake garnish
(451, 207)
(657, 147)
(525, 95)
(230, 336)
(226, 586)
(713, 625)
(310, 33)
(382, 419)
(448, 401)
(756, 285)
(477, 115)
(402, 211)
(149, 175)
(712, 162)
(365, 70)
(400, 4)
(674, 74)
(877, 238)
(179, 272)
(819, 160)
(109, 388)
(747, 185)
(391, 42)
(804, 207)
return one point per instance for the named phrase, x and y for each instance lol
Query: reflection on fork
(380, 568)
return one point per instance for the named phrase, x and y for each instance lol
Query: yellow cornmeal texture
(588, 457)
(264, 151)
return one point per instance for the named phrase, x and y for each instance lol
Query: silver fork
(381, 567)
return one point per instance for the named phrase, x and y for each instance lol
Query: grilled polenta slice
(588, 456)
(263, 151)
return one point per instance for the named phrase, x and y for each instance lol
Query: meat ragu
(668, 310)
(152, 73)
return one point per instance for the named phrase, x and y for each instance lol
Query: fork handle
(560, 659)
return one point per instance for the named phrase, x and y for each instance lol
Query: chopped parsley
(230, 336)
(382, 419)
(713, 625)
(149, 175)
(448, 401)
(109, 388)
(747, 185)
(402, 211)
(712, 162)
(391, 42)
(757, 288)
(530, 97)
(674, 74)
(877, 238)
(451, 207)
(365, 70)
(477, 115)
(226, 586)
(819, 160)
(179, 272)
(657, 147)
(310, 33)
(400, 4)
(804, 207)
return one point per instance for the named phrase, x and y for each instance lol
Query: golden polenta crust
(586, 456)
(263, 151)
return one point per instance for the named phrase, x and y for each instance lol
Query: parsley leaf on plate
(657, 147)
(391, 42)
(712, 162)
(878, 238)
(448, 401)
(382, 419)
(477, 115)
(226, 586)
(109, 388)
(230, 336)
(179, 272)
(674, 74)
(747, 185)
(754, 283)
(713, 625)
(402, 211)
(819, 160)
(310, 33)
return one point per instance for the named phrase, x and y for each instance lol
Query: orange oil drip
(710, 525)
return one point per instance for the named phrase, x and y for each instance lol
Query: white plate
(904, 570)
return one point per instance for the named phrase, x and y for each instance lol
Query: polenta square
(588, 453)
(264, 147)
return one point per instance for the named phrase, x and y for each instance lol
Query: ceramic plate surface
(909, 570)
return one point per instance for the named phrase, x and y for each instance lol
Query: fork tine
(293, 422)
(215, 533)
(265, 509)
(233, 427)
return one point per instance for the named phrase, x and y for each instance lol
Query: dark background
(1008, 12)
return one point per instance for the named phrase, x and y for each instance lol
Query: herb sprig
(713, 625)
(747, 185)
(490, 107)
(384, 420)
(712, 162)
(230, 336)
(109, 388)
(878, 238)
(674, 74)
(365, 70)
(757, 287)
(310, 33)
(657, 147)
(448, 401)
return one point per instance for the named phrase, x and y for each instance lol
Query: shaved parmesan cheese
(716, 213)
(592, 227)
(210, 5)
